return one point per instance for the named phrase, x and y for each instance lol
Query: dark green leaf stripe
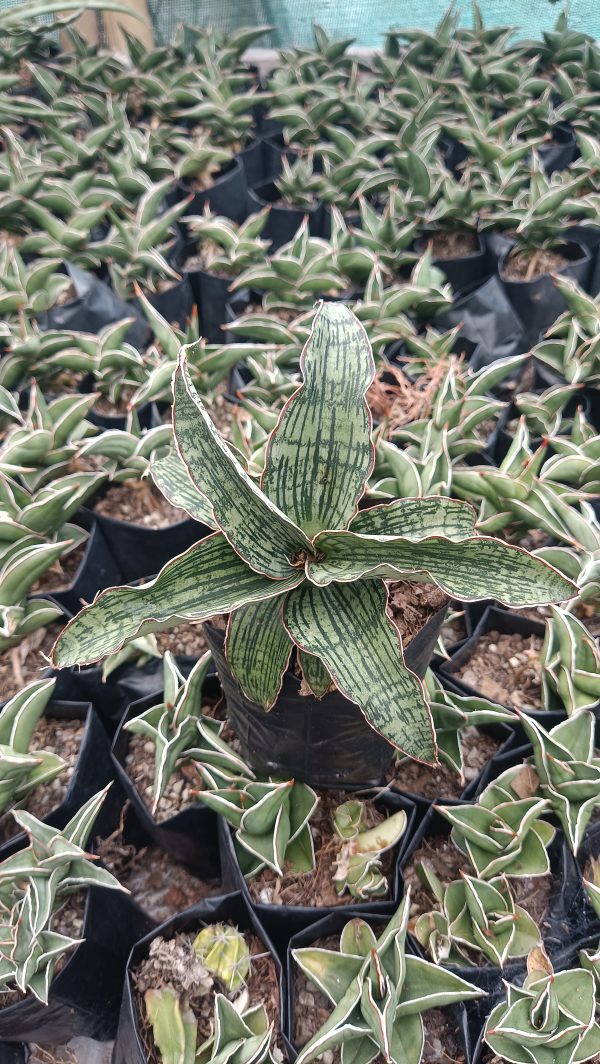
(258, 649)
(260, 533)
(470, 569)
(417, 519)
(347, 627)
(173, 480)
(315, 674)
(209, 578)
(320, 454)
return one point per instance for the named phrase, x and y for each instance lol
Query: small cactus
(223, 951)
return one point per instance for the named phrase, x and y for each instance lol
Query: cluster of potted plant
(299, 548)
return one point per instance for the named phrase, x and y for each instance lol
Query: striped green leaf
(417, 519)
(172, 478)
(258, 649)
(474, 568)
(346, 625)
(255, 527)
(314, 673)
(208, 578)
(320, 454)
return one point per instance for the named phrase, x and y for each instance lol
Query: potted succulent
(295, 595)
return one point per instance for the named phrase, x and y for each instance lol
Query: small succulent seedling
(571, 346)
(21, 770)
(42, 448)
(502, 833)
(378, 992)
(178, 730)
(570, 662)
(358, 863)
(295, 564)
(226, 248)
(550, 1018)
(34, 884)
(568, 770)
(474, 917)
(452, 714)
(592, 883)
(270, 819)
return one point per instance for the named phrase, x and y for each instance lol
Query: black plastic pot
(191, 835)
(129, 1048)
(493, 619)
(140, 552)
(488, 319)
(215, 302)
(94, 306)
(147, 414)
(281, 921)
(125, 820)
(453, 152)
(228, 195)
(538, 302)
(333, 924)
(326, 742)
(175, 304)
(560, 151)
(85, 996)
(283, 222)
(99, 569)
(462, 271)
(92, 772)
(252, 158)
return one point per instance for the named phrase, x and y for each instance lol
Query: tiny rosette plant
(34, 885)
(570, 664)
(295, 564)
(502, 833)
(177, 729)
(475, 917)
(20, 769)
(567, 769)
(358, 864)
(378, 992)
(549, 1020)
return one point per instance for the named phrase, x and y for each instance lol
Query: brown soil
(138, 502)
(183, 640)
(25, 662)
(586, 612)
(453, 244)
(534, 538)
(532, 893)
(179, 792)
(521, 265)
(311, 1009)
(62, 574)
(416, 778)
(160, 885)
(400, 400)
(66, 295)
(411, 606)
(67, 921)
(262, 988)
(317, 888)
(505, 668)
(447, 863)
(64, 738)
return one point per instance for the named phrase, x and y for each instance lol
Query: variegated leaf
(258, 649)
(208, 578)
(172, 478)
(417, 519)
(474, 568)
(320, 454)
(260, 533)
(347, 627)
(314, 673)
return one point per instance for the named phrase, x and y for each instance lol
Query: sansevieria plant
(293, 562)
